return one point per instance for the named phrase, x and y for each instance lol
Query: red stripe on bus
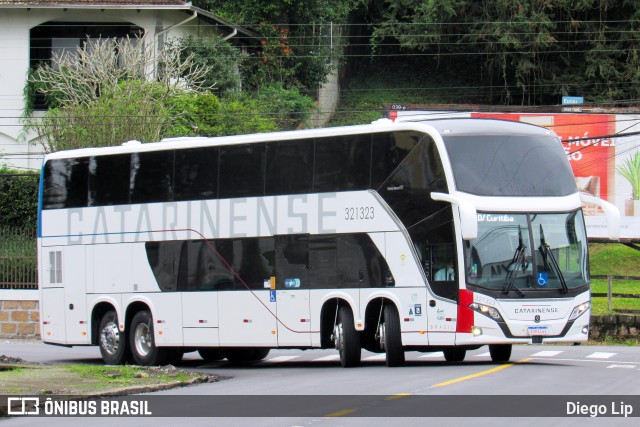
(465, 314)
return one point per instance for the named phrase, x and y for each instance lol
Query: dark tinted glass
(388, 150)
(206, 269)
(65, 183)
(242, 171)
(323, 262)
(360, 263)
(254, 262)
(289, 167)
(196, 174)
(292, 262)
(510, 165)
(109, 180)
(342, 163)
(408, 189)
(163, 258)
(152, 177)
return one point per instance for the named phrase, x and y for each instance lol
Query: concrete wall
(615, 325)
(328, 99)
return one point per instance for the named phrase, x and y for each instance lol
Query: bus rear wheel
(391, 337)
(143, 347)
(346, 338)
(113, 344)
(454, 354)
(500, 352)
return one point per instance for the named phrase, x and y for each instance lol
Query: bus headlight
(577, 312)
(487, 310)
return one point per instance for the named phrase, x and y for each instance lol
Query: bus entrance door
(292, 290)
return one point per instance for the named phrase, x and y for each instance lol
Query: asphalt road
(548, 378)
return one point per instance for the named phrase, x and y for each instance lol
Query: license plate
(538, 330)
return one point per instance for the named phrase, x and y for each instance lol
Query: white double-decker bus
(435, 235)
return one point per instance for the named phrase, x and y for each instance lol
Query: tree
(222, 60)
(311, 39)
(110, 91)
(80, 76)
(526, 51)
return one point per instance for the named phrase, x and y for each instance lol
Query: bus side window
(241, 172)
(292, 261)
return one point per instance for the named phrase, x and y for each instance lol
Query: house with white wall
(31, 30)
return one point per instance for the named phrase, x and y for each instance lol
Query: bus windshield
(510, 165)
(528, 252)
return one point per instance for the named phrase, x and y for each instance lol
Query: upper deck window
(510, 165)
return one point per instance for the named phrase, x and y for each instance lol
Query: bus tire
(392, 337)
(346, 338)
(211, 354)
(261, 353)
(500, 352)
(142, 341)
(114, 348)
(454, 354)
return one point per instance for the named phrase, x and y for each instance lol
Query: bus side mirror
(610, 212)
(468, 214)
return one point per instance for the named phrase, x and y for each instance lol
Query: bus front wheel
(500, 352)
(113, 343)
(391, 337)
(143, 347)
(346, 338)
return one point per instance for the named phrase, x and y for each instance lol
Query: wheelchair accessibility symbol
(543, 279)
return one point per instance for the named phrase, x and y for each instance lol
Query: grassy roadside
(616, 260)
(19, 378)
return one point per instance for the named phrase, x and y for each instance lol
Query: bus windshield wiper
(546, 252)
(512, 270)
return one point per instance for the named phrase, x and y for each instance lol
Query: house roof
(124, 4)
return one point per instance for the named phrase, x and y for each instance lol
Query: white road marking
(487, 354)
(376, 357)
(431, 355)
(328, 358)
(282, 358)
(546, 353)
(622, 366)
(600, 355)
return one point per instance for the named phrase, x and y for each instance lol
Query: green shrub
(207, 115)
(18, 199)
(288, 107)
(223, 59)
(133, 110)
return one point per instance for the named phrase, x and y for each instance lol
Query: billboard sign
(597, 156)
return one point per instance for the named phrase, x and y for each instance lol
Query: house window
(57, 37)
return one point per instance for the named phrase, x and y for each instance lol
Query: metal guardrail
(18, 259)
